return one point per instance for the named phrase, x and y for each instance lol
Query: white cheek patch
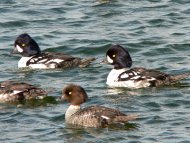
(19, 49)
(109, 60)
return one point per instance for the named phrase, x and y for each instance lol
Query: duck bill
(63, 97)
(15, 51)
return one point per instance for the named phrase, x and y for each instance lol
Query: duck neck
(71, 110)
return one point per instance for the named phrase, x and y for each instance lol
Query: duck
(122, 75)
(12, 91)
(94, 116)
(34, 58)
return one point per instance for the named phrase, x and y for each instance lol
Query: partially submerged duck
(93, 116)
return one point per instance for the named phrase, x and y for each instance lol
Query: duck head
(25, 46)
(119, 57)
(74, 94)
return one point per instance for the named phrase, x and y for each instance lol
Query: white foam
(124, 75)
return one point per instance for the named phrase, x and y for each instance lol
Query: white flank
(55, 60)
(136, 77)
(124, 76)
(112, 80)
(19, 49)
(130, 73)
(109, 60)
(38, 66)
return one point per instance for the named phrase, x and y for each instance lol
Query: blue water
(157, 34)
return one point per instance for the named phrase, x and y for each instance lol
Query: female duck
(11, 91)
(33, 57)
(122, 76)
(93, 116)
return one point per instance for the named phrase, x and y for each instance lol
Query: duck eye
(23, 45)
(113, 56)
(70, 93)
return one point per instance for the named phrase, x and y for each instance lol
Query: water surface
(156, 32)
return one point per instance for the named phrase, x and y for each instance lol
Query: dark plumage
(17, 91)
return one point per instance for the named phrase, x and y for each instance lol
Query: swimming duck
(11, 91)
(33, 57)
(92, 116)
(122, 75)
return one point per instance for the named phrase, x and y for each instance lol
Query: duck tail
(86, 62)
(125, 118)
(176, 78)
(38, 93)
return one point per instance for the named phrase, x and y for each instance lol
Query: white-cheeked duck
(122, 75)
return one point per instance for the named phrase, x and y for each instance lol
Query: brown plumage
(93, 116)
(16, 91)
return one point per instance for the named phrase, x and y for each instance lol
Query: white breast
(22, 62)
(70, 111)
